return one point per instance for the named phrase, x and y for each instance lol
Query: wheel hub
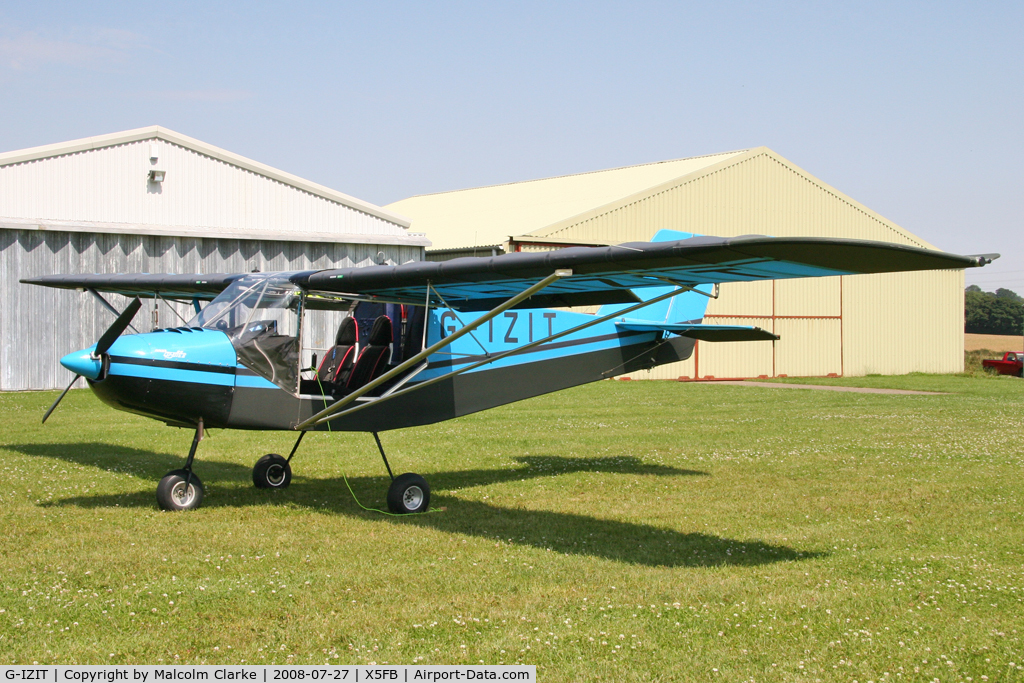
(413, 497)
(183, 496)
(275, 475)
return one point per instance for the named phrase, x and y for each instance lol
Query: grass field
(623, 531)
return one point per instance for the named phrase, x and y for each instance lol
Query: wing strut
(425, 353)
(106, 305)
(325, 415)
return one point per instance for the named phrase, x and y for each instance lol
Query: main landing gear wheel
(408, 493)
(176, 491)
(272, 472)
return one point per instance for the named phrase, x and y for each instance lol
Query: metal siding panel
(741, 298)
(818, 296)
(7, 272)
(903, 322)
(736, 359)
(808, 347)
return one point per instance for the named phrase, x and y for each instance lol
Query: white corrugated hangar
(836, 326)
(155, 201)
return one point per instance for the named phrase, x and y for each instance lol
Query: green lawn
(620, 531)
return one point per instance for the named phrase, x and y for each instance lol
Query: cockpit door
(262, 316)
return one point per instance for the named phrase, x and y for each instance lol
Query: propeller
(102, 346)
(119, 326)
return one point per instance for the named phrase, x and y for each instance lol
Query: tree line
(998, 312)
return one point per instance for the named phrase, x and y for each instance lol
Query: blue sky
(914, 109)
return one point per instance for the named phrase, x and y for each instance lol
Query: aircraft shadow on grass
(566, 533)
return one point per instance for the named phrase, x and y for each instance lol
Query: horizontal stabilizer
(710, 333)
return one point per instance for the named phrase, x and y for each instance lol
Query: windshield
(261, 315)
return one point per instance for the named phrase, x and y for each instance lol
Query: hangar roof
(485, 216)
(160, 133)
(92, 185)
(770, 195)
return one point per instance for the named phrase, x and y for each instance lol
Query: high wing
(479, 283)
(145, 285)
(600, 275)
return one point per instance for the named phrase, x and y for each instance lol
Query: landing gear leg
(181, 489)
(383, 457)
(408, 492)
(274, 472)
(296, 446)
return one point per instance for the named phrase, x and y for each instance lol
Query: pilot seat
(373, 358)
(339, 359)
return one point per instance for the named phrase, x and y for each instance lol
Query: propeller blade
(60, 398)
(119, 326)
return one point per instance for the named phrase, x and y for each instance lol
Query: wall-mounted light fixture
(156, 176)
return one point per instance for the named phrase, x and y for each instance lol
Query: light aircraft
(464, 335)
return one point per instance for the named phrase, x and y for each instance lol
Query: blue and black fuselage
(181, 375)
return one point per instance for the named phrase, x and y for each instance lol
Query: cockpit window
(261, 315)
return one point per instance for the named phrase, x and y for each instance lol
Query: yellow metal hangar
(837, 326)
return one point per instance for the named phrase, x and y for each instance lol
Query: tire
(171, 493)
(272, 472)
(408, 493)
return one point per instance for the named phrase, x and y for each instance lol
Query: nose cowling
(82, 363)
(177, 375)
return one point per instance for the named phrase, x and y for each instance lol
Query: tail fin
(685, 308)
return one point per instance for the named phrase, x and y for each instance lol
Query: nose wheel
(179, 490)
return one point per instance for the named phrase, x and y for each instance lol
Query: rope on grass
(345, 476)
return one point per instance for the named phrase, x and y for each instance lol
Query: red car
(1011, 364)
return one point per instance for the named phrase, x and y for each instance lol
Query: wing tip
(983, 259)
